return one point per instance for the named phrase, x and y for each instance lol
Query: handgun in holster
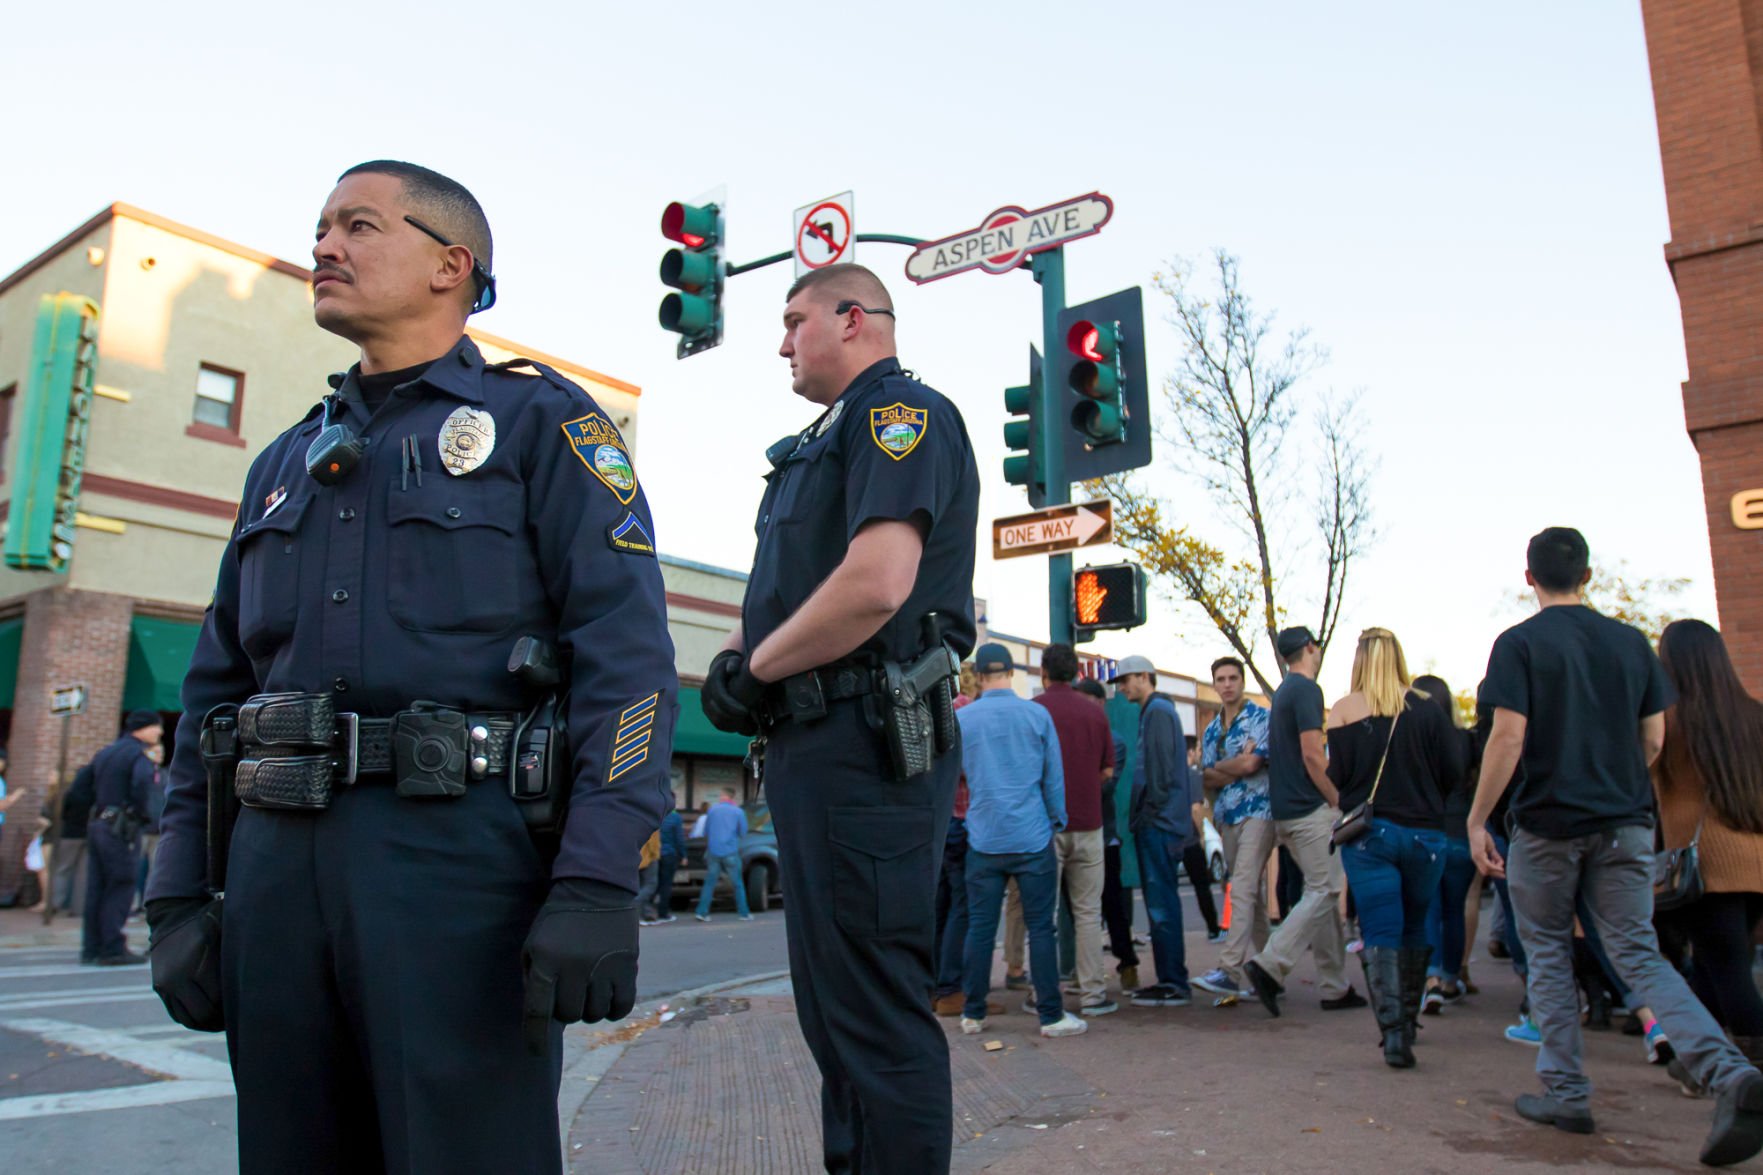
(543, 770)
(918, 704)
(219, 745)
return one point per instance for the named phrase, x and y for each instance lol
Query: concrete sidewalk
(727, 1085)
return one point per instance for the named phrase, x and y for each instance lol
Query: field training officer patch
(897, 428)
(593, 439)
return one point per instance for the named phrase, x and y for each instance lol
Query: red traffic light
(688, 224)
(1085, 339)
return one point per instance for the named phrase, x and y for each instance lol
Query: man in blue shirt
(1233, 759)
(724, 826)
(656, 896)
(1015, 805)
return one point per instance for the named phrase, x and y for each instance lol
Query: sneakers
(666, 919)
(1546, 1111)
(1160, 995)
(1066, 1025)
(1525, 1032)
(1433, 1002)
(648, 922)
(1217, 935)
(1267, 988)
(1659, 1050)
(1340, 1003)
(702, 917)
(1738, 1123)
(1129, 978)
(1018, 982)
(972, 1027)
(746, 917)
(1217, 982)
(1100, 1008)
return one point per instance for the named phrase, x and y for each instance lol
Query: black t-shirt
(889, 449)
(1583, 683)
(375, 388)
(1427, 758)
(1297, 707)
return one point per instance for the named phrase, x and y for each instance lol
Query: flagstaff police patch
(598, 445)
(897, 429)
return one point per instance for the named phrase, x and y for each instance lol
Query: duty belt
(805, 696)
(295, 749)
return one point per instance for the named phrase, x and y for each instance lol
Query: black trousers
(372, 982)
(1718, 927)
(664, 886)
(111, 865)
(1290, 886)
(860, 854)
(1117, 910)
(1193, 859)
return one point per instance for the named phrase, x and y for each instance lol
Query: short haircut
(1059, 662)
(445, 205)
(1223, 661)
(1092, 687)
(835, 283)
(729, 792)
(1558, 558)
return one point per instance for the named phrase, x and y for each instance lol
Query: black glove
(183, 946)
(580, 959)
(731, 695)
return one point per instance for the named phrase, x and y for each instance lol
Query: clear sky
(1463, 203)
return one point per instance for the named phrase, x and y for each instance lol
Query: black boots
(1383, 978)
(1413, 964)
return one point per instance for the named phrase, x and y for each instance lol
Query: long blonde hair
(1380, 672)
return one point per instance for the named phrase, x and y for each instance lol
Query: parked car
(1214, 846)
(758, 862)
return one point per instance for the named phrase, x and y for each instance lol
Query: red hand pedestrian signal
(1089, 595)
(1110, 596)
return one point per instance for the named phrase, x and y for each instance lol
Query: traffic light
(696, 270)
(1023, 464)
(1110, 596)
(1100, 372)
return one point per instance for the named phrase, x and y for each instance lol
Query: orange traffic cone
(1224, 915)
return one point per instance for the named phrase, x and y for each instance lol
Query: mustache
(325, 271)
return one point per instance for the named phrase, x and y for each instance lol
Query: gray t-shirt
(1297, 707)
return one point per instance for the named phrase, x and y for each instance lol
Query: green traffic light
(688, 271)
(1017, 470)
(1099, 420)
(689, 224)
(1017, 433)
(687, 314)
(1019, 401)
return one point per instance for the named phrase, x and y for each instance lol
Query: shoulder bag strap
(1377, 781)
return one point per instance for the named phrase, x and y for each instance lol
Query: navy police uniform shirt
(122, 777)
(491, 504)
(888, 449)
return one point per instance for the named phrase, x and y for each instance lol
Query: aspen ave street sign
(1057, 528)
(1007, 236)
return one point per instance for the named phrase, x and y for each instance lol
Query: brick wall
(70, 637)
(1707, 67)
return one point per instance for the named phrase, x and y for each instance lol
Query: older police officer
(395, 950)
(866, 526)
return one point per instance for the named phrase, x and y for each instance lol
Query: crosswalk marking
(191, 1076)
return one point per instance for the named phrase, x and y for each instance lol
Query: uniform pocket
(453, 555)
(884, 870)
(269, 579)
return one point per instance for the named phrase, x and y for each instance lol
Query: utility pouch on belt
(543, 770)
(429, 751)
(219, 745)
(918, 708)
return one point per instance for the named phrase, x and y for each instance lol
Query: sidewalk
(727, 1085)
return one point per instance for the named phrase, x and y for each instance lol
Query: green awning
(695, 736)
(159, 656)
(11, 636)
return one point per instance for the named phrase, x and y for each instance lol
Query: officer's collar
(459, 373)
(875, 372)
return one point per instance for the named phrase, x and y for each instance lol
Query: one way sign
(1057, 528)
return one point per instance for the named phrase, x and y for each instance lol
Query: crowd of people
(1611, 795)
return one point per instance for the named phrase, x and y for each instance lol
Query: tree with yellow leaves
(1231, 403)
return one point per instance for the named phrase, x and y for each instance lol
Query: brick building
(1708, 94)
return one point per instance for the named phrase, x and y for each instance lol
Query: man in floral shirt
(1234, 767)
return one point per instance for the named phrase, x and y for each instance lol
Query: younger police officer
(382, 915)
(866, 526)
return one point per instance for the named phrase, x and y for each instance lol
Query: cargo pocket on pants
(884, 874)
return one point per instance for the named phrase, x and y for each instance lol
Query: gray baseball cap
(1133, 664)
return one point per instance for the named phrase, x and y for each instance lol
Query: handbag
(1677, 875)
(1356, 823)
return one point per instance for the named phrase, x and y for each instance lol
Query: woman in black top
(1389, 745)
(1447, 975)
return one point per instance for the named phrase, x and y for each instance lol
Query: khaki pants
(1016, 929)
(1080, 857)
(1247, 845)
(1315, 922)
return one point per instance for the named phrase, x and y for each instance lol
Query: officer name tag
(467, 438)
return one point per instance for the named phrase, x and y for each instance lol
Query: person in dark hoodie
(1161, 823)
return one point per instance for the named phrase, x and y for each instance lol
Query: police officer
(122, 778)
(397, 954)
(866, 526)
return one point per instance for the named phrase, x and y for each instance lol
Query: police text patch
(897, 429)
(630, 537)
(593, 439)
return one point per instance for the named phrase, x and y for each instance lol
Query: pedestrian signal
(1111, 596)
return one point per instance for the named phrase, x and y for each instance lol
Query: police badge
(467, 438)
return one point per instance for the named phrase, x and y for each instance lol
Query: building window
(220, 391)
(8, 396)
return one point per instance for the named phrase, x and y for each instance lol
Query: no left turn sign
(823, 233)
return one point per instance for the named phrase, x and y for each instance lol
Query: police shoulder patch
(630, 537)
(599, 446)
(897, 429)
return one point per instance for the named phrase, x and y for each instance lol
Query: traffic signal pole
(1049, 271)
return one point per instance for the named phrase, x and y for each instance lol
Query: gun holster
(543, 772)
(918, 709)
(219, 745)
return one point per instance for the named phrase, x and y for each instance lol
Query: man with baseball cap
(1161, 823)
(1303, 801)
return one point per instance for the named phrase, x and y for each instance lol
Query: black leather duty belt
(296, 749)
(805, 696)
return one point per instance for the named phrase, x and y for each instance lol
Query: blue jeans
(952, 910)
(1394, 872)
(1036, 875)
(1444, 917)
(1160, 855)
(714, 867)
